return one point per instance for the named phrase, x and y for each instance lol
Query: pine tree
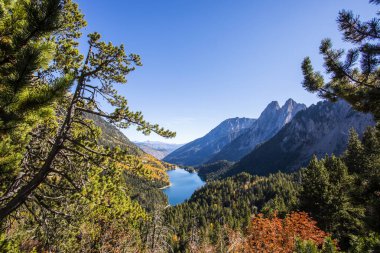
(60, 188)
(31, 34)
(71, 134)
(355, 78)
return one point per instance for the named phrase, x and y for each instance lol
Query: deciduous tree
(279, 235)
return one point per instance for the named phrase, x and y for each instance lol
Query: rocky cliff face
(321, 129)
(201, 150)
(271, 120)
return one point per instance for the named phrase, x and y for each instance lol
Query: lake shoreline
(166, 186)
(182, 185)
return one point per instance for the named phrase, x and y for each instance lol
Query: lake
(183, 184)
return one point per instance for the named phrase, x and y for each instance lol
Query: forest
(71, 182)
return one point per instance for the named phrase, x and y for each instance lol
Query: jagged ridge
(321, 129)
(271, 120)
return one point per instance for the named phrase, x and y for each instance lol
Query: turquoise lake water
(183, 184)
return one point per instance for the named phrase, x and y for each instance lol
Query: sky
(205, 61)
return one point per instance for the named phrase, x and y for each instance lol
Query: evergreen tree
(356, 78)
(310, 247)
(94, 77)
(354, 153)
(326, 194)
(33, 35)
(368, 243)
(315, 193)
(370, 177)
(60, 189)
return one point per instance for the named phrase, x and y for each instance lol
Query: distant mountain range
(320, 129)
(157, 149)
(271, 120)
(203, 149)
(234, 138)
(281, 139)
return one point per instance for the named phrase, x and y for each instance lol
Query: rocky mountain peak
(235, 137)
(290, 102)
(319, 130)
(290, 109)
(271, 108)
(271, 120)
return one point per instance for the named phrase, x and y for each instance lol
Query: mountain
(271, 120)
(111, 136)
(203, 149)
(236, 137)
(320, 129)
(214, 170)
(157, 149)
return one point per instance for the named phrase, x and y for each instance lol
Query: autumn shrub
(275, 234)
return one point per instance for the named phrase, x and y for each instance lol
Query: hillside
(320, 129)
(231, 203)
(271, 120)
(213, 170)
(112, 137)
(157, 149)
(201, 150)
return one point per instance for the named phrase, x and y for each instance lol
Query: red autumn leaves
(279, 235)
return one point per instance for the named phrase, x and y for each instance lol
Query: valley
(182, 185)
(292, 134)
(157, 149)
(236, 191)
(246, 145)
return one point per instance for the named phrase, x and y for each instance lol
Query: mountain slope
(157, 149)
(321, 129)
(111, 136)
(271, 120)
(201, 150)
(214, 170)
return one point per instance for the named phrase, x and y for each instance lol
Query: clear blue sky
(209, 60)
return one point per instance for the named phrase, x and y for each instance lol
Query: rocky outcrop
(271, 120)
(321, 129)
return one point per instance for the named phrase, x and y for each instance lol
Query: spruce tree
(370, 177)
(327, 195)
(315, 193)
(353, 156)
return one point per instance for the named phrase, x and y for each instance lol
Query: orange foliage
(152, 168)
(279, 235)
